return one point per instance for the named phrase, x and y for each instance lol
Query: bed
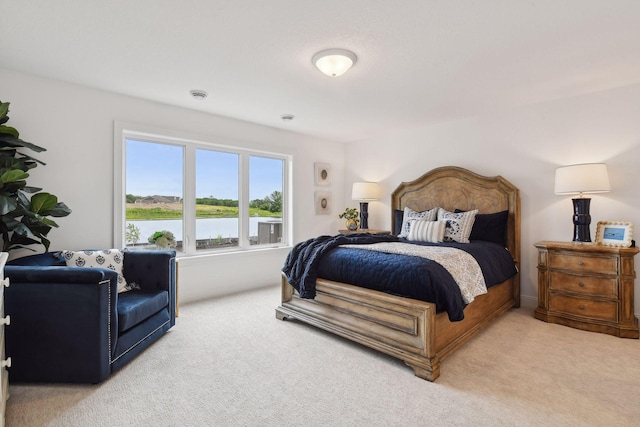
(410, 329)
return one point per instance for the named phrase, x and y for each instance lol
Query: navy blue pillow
(490, 227)
(398, 215)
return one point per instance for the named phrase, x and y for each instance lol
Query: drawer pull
(581, 284)
(5, 320)
(581, 307)
(580, 262)
(6, 363)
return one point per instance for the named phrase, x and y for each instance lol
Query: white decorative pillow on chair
(459, 225)
(410, 214)
(426, 231)
(111, 258)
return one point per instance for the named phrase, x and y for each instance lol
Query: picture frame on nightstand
(614, 233)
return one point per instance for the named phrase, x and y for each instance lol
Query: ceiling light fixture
(334, 62)
(198, 94)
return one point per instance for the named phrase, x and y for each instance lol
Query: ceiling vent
(198, 94)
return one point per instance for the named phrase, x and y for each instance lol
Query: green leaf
(51, 223)
(23, 230)
(42, 202)
(4, 109)
(13, 176)
(59, 210)
(10, 223)
(46, 243)
(29, 161)
(38, 228)
(13, 187)
(29, 189)
(7, 204)
(10, 130)
(17, 142)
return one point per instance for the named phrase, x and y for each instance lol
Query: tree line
(271, 203)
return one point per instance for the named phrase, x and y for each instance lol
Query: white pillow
(410, 214)
(459, 225)
(111, 258)
(426, 231)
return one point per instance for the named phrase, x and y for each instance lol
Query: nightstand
(587, 286)
(368, 230)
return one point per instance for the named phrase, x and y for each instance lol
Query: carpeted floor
(229, 362)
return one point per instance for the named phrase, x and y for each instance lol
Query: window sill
(237, 253)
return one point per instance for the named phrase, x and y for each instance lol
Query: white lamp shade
(334, 62)
(583, 178)
(365, 191)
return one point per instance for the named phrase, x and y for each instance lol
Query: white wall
(524, 145)
(75, 125)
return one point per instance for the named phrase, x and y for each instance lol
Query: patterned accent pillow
(111, 258)
(459, 225)
(410, 214)
(426, 231)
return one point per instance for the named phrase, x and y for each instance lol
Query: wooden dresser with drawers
(587, 286)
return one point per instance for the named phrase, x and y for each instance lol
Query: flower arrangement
(163, 239)
(352, 217)
(349, 213)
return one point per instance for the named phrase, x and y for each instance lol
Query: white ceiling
(419, 61)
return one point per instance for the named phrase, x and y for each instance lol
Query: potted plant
(24, 220)
(352, 217)
(163, 239)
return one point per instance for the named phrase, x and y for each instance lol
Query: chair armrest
(64, 323)
(153, 270)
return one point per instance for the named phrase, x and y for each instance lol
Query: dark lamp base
(364, 215)
(581, 220)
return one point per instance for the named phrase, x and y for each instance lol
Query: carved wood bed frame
(410, 329)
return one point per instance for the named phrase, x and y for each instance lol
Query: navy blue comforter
(301, 265)
(403, 275)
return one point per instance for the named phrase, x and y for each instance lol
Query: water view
(206, 228)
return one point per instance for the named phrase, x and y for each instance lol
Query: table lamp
(582, 179)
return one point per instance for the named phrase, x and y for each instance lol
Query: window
(153, 194)
(265, 195)
(217, 198)
(206, 197)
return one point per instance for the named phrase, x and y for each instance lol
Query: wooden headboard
(452, 187)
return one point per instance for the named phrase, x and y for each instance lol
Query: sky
(156, 169)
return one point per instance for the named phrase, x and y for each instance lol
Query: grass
(174, 211)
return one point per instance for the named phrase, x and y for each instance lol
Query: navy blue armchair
(70, 325)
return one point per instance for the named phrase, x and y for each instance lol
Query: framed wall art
(323, 202)
(322, 174)
(614, 233)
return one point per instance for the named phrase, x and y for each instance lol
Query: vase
(352, 224)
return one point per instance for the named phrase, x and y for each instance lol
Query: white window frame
(190, 143)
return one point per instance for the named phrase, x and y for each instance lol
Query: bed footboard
(396, 326)
(401, 327)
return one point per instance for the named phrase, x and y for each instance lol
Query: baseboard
(529, 302)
